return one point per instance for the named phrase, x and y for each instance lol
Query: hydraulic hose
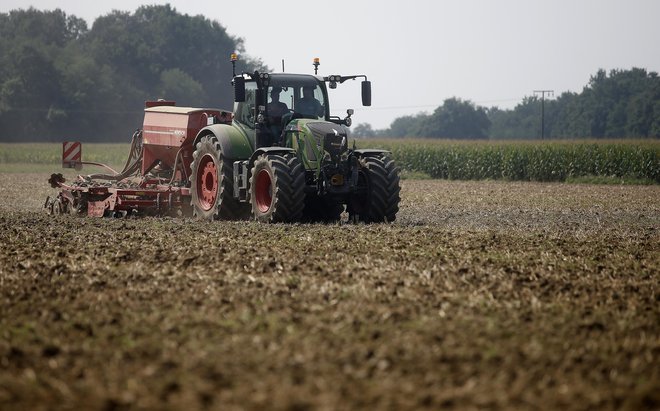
(133, 162)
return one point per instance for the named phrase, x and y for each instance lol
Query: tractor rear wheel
(379, 201)
(277, 188)
(211, 183)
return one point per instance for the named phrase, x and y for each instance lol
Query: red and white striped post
(72, 155)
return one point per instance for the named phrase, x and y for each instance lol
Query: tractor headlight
(334, 79)
(337, 180)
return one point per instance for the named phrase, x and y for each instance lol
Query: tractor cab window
(309, 101)
(280, 99)
(245, 111)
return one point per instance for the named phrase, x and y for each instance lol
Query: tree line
(60, 79)
(618, 104)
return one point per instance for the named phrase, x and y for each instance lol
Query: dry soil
(481, 295)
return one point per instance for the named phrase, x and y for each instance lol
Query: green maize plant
(525, 161)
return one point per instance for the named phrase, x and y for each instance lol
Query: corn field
(527, 161)
(446, 159)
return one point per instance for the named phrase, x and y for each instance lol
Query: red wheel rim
(262, 191)
(207, 182)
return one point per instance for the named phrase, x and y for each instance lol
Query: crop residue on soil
(481, 295)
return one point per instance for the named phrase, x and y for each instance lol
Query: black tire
(322, 210)
(212, 184)
(277, 188)
(48, 205)
(379, 201)
(57, 207)
(80, 204)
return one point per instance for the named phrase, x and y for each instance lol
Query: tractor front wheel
(277, 188)
(379, 197)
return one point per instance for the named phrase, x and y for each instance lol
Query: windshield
(300, 96)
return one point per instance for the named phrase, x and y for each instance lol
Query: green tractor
(284, 158)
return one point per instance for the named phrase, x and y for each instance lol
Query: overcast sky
(419, 52)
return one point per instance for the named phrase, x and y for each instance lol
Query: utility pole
(543, 92)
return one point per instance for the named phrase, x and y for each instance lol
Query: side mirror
(366, 93)
(239, 89)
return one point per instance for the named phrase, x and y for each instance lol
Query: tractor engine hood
(330, 137)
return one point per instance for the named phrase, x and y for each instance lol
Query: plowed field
(482, 295)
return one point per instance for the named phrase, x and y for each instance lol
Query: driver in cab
(308, 105)
(276, 108)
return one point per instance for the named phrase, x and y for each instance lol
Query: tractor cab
(271, 101)
(267, 103)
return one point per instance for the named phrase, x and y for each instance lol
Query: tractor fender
(266, 150)
(233, 143)
(269, 150)
(370, 152)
